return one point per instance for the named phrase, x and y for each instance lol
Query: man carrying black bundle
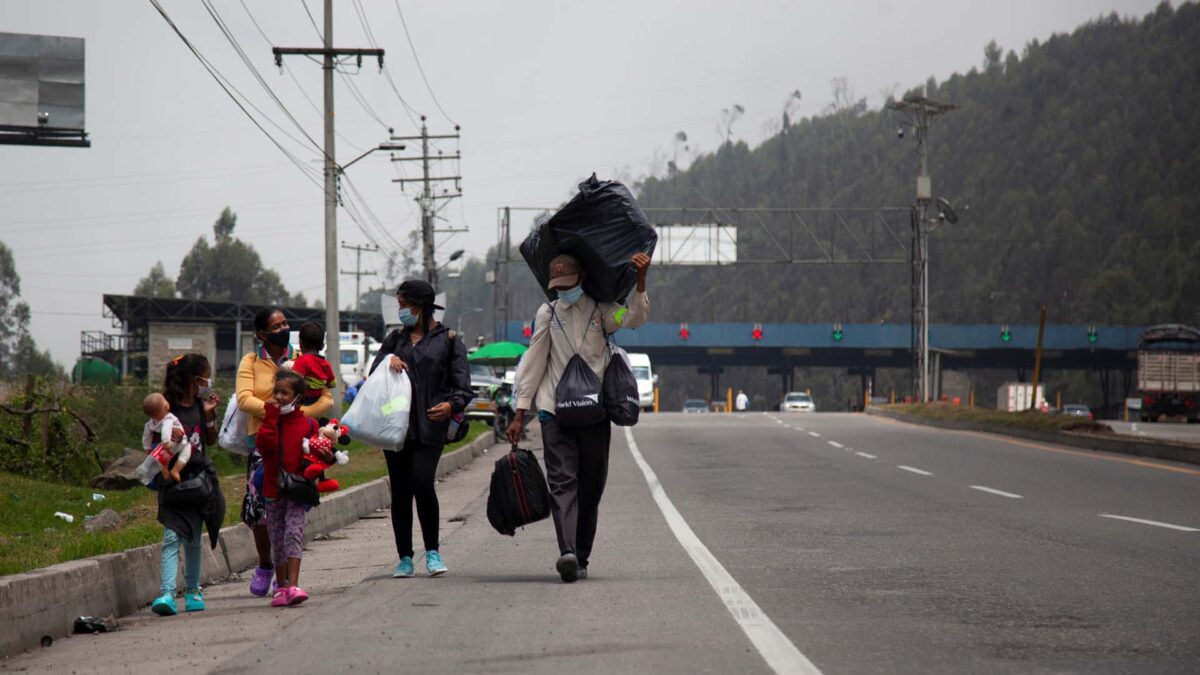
(576, 456)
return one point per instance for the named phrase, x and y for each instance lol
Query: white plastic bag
(233, 429)
(379, 414)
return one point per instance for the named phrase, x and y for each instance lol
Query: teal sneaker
(404, 568)
(433, 563)
(193, 601)
(164, 605)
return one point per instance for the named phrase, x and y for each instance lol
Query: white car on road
(797, 401)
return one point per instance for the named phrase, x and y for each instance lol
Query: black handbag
(622, 403)
(297, 488)
(190, 493)
(579, 396)
(294, 487)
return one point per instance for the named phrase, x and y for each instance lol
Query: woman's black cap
(419, 293)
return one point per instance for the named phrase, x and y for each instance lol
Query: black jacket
(438, 370)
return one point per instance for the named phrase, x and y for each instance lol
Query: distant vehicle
(352, 349)
(695, 405)
(1015, 396)
(797, 401)
(1077, 410)
(1168, 373)
(646, 379)
(484, 383)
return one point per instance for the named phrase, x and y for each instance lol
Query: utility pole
(428, 200)
(358, 274)
(921, 111)
(329, 61)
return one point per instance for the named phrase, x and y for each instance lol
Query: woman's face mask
(407, 317)
(205, 386)
(279, 339)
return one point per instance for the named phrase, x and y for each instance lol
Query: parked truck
(1168, 373)
(1016, 396)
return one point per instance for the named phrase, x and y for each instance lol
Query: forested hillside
(1074, 164)
(1079, 160)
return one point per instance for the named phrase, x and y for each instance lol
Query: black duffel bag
(518, 494)
(188, 493)
(622, 403)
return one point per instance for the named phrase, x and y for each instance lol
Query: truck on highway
(1016, 396)
(643, 372)
(1168, 372)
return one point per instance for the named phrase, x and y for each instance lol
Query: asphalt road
(1167, 431)
(860, 544)
(886, 561)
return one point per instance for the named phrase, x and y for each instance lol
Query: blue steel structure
(864, 348)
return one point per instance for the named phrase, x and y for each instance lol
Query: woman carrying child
(280, 441)
(255, 387)
(187, 389)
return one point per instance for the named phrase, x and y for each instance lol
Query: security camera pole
(921, 111)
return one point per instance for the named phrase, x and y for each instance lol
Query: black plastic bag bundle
(621, 401)
(577, 399)
(602, 226)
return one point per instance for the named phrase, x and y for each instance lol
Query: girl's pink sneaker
(296, 595)
(281, 596)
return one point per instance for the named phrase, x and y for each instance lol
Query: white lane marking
(836, 444)
(799, 428)
(1169, 526)
(780, 653)
(863, 454)
(913, 470)
(814, 434)
(994, 491)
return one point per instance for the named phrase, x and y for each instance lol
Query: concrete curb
(1124, 445)
(46, 602)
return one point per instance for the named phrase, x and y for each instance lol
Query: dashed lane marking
(994, 491)
(863, 454)
(1155, 523)
(913, 469)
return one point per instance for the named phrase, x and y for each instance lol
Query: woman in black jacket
(436, 362)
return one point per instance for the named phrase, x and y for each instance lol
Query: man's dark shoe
(568, 567)
(582, 573)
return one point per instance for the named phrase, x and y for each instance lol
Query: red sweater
(316, 371)
(296, 428)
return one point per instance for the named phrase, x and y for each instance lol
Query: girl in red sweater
(280, 440)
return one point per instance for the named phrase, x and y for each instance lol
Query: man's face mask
(571, 296)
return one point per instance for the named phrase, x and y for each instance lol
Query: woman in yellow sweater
(255, 383)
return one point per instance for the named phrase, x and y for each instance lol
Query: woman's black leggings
(411, 472)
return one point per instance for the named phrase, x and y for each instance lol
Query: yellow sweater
(256, 382)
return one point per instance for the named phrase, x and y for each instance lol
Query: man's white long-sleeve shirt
(559, 332)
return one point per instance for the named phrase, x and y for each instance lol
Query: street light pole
(921, 111)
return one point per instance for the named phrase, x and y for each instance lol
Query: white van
(646, 379)
(352, 349)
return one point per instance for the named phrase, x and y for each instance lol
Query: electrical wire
(387, 74)
(312, 104)
(237, 48)
(229, 89)
(420, 69)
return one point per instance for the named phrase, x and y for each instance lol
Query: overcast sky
(546, 92)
